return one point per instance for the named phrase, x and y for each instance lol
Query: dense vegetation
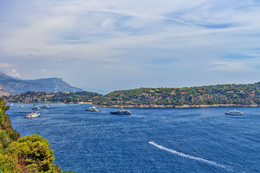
(243, 94)
(30, 154)
(60, 97)
(228, 95)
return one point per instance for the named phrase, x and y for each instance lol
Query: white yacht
(92, 109)
(234, 112)
(32, 115)
(36, 108)
(46, 106)
(21, 106)
(121, 112)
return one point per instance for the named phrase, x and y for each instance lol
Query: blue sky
(110, 45)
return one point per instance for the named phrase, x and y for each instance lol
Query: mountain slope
(16, 86)
(225, 95)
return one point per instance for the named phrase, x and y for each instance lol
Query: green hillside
(203, 96)
(60, 97)
(228, 94)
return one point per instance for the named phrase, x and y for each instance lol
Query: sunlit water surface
(150, 140)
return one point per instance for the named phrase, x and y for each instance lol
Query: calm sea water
(150, 140)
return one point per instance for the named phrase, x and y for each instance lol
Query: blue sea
(151, 140)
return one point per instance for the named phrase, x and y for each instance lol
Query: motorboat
(36, 108)
(46, 106)
(21, 106)
(92, 109)
(32, 115)
(121, 112)
(234, 112)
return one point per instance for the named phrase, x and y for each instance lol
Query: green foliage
(63, 97)
(1, 116)
(56, 169)
(3, 105)
(7, 133)
(30, 154)
(33, 151)
(7, 164)
(247, 94)
(5, 139)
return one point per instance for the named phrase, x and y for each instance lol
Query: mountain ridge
(11, 85)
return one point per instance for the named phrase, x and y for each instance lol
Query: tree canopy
(30, 154)
(243, 94)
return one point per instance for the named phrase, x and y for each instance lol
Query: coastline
(152, 106)
(179, 107)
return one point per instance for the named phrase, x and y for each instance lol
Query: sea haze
(150, 140)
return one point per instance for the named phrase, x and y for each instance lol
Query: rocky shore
(183, 106)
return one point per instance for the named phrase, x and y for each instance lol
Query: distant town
(59, 97)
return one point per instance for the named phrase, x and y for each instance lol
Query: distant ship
(35, 107)
(92, 109)
(121, 112)
(32, 115)
(46, 106)
(234, 112)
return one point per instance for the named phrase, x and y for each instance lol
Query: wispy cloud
(113, 33)
(230, 66)
(9, 69)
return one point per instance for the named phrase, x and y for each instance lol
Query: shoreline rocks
(183, 106)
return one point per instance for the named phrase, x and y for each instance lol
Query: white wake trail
(189, 156)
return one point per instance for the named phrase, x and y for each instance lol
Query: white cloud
(97, 25)
(108, 24)
(15, 73)
(43, 70)
(9, 69)
(111, 33)
(4, 65)
(231, 66)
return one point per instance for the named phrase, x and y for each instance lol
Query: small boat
(92, 109)
(121, 112)
(46, 106)
(35, 107)
(32, 115)
(234, 112)
(11, 104)
(21, 106)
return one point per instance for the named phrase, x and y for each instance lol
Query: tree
(1, 116)
(33, 152)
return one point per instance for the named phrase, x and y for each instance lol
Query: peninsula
(203, 96)
(225, 95)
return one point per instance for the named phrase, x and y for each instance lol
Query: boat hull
(92, 109)
(36, 108)
(32, 115)
(234, 112)
(121, 113)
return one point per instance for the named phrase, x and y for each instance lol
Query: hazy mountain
(15, 86)
(3, 92)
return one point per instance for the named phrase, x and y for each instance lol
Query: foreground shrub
(33, 152)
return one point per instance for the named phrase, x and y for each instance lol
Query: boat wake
(190, 157)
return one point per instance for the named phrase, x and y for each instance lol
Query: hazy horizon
(113, 45)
